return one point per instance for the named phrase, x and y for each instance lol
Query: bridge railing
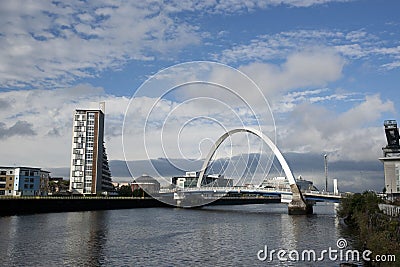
(70, 197)
(323, 193)
(224, 189)
(245, 189)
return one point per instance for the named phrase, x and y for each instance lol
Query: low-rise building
(23, 181)
(44, 182)
(147, 183)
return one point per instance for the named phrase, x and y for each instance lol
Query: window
(3, 173)
(10, 179)
(90, 145)
(90, 122)
(77, 185)
(26, 180)
(31, 180)
(90, 133)
(31, 186)
(25, 186)
(89, 156)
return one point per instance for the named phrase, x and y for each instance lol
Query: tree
(140, 193)
(125, 191)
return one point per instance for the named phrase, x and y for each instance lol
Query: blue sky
(375, 22)
(329, 69)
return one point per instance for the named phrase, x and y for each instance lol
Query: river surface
(210, 236)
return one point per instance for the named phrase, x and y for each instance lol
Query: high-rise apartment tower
(90, 173)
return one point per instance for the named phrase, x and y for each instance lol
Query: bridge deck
(256, 191)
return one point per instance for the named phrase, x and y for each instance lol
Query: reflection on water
(75, 238)
(219, 235)
(86, 238)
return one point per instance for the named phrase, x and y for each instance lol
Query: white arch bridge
(299, 203)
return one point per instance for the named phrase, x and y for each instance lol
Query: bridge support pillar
(298, 206)
(179, 197)
(300, 210)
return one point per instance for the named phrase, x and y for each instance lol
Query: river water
(210, 236)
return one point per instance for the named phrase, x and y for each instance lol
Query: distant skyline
(329, 69)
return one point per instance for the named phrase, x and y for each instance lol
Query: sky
(317, 76)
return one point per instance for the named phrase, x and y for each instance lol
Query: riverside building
(391, 159)
(90, 173)
(23, 181)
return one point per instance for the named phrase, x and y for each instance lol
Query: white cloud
(290, 100)
(356, 44)
(350, 135)
(314, 67)
(53, 43)
(232, 6)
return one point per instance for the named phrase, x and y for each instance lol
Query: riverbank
(29, 205)
(376, 231)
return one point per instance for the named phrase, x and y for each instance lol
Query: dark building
(391, 159)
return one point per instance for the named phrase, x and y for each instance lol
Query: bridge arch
(265, 138)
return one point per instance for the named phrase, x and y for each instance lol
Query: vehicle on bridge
(281, 182)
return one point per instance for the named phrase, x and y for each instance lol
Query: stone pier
(298, 206)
